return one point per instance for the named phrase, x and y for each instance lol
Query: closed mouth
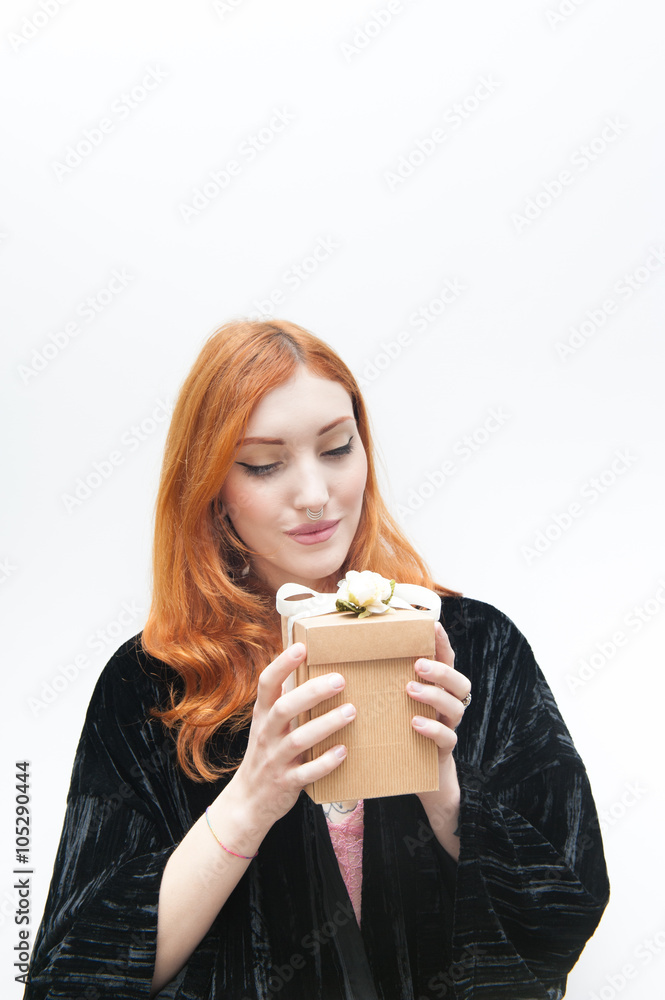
(308, 529)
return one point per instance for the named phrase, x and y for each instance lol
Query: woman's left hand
(445, 693)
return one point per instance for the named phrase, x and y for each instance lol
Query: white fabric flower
(366, 592)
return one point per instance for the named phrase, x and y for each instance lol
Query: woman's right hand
(272, 774)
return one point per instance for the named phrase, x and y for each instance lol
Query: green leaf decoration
(345, 606)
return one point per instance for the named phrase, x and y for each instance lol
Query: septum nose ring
(315, 516)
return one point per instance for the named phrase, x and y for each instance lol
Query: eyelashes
(258, 470)
(345, 449)
(266, 470)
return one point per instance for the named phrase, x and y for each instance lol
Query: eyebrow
(264, 440)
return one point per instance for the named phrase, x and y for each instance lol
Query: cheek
(352, 486)
(243, 501)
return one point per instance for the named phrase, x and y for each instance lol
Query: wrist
(443, 808)
(235, 821)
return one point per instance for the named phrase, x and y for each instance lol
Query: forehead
(304, 404)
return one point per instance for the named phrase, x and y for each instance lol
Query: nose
(311, 491)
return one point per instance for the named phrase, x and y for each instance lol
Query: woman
(192, 862)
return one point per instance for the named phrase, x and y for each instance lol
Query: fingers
(303, 698)
(273, 772)
(447, 687)
(444, 651)
(304, 737)
(313, 770)
(444, 737)
(275, 674)
(281, 709)
(449, 708)
(448, 678)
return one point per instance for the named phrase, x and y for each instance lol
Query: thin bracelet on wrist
(245, 857)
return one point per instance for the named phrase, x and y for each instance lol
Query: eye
(259, 470)
(345, 449)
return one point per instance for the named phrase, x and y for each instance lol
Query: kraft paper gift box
(376, 656)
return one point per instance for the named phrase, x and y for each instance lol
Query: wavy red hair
(215, 627)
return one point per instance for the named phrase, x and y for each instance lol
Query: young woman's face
(302, 449)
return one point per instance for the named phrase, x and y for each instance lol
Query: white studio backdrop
(466, 201)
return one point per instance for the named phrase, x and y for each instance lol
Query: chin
(321, 569)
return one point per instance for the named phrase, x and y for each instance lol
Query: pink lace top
(347, 840)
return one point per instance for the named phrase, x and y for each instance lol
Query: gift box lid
(342, 637)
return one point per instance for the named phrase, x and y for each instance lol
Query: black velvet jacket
(508, 921)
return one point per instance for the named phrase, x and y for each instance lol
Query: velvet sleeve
(124, 816)
(531, 878)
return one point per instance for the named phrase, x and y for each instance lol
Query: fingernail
(336, 681)
(418, 720)
(340, 752)
(414, 686)
(297, 650)
(423, 667)
(348, 711)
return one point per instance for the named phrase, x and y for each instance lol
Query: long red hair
(217, 628)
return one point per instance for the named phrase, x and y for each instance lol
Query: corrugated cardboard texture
(386, 756)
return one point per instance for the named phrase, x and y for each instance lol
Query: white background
(481, 212)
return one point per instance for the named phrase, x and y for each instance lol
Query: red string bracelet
(245, 857)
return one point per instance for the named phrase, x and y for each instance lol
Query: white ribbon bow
(405, 595)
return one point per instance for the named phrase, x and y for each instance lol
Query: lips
(308, 528)
(310, 534)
